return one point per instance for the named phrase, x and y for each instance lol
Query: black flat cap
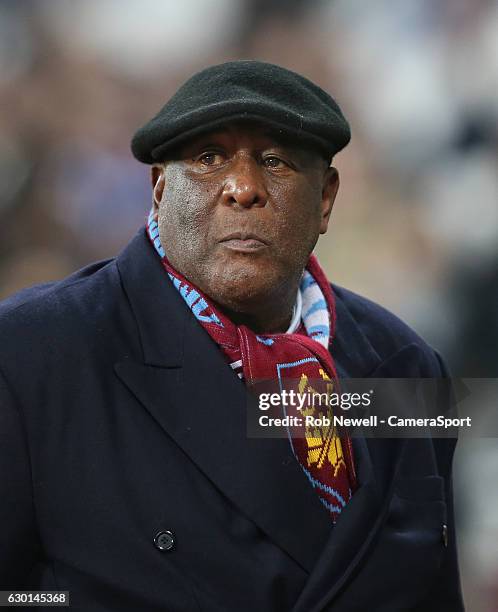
(244, 90)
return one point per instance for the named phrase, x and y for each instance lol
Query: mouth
(244, 242)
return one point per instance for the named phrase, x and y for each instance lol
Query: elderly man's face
(239, 213)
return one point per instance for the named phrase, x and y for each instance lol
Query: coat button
(164, 540)
(444, 535)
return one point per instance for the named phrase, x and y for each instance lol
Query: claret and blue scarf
(299, 356)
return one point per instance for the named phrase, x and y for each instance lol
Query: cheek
(297, 223)
(184, 212)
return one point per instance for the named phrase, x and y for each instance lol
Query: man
(126, 474)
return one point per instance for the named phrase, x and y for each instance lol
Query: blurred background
(415, 226)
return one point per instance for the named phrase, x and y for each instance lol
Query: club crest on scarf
(297, 361)
(324, 445)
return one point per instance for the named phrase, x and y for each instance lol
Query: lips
(244, 241)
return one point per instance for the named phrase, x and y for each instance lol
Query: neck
(270, 316)
(261, 324)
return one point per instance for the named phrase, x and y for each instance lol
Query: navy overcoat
(120, 420)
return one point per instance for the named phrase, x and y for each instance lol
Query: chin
(239, 287)
(239, 295)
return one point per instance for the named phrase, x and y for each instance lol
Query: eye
(274, 162)
(210, 158)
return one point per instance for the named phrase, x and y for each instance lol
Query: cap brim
(167, 149)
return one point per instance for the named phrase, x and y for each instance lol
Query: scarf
(299, 361)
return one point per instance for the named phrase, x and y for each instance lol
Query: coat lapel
(357, 525)
(187, 386)
(354, 355)
(376, 462)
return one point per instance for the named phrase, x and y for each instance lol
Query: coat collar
(158, 308)
(354, 355)
(183, 380)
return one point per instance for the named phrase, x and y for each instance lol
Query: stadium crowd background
(415, 226)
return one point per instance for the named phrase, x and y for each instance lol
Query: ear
(158, 180)
(329, 193)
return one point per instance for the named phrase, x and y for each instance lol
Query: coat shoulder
(46, 318)
(43, 299)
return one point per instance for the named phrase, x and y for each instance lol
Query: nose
(244, 185)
